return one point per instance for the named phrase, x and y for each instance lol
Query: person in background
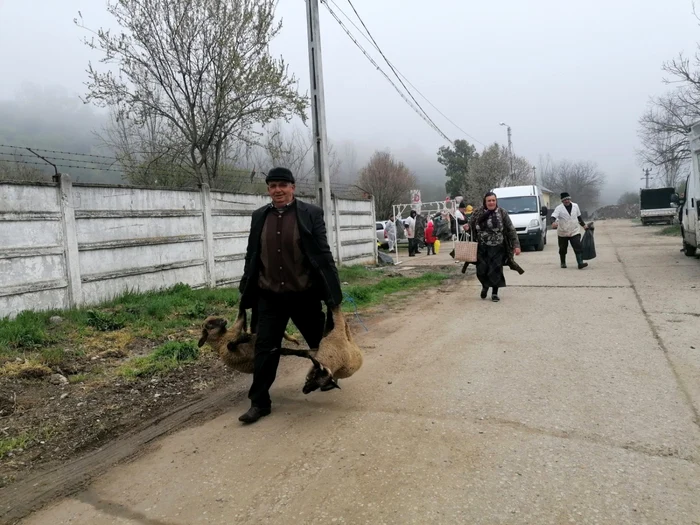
(462, 220)
(491, 227)
(421, 223)
(567, 220)
(390, 228)
(410, 224)
(430, 236)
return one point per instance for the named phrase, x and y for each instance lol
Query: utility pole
(534, 175)
(646, 176)
(318, 115)
(510, 149)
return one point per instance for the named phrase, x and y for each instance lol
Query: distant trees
(628, 197)
(472, 174)
(199, 72)
(583, 180)
(388, 180)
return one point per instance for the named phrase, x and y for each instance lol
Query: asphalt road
(573, 400)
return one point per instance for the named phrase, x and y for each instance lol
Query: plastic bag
(588, 244)
(437, 246)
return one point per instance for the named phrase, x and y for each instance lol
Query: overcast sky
(571, 79)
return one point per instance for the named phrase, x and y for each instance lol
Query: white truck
(690, 202)
(526, 208)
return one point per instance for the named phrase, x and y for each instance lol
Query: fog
(571, 80)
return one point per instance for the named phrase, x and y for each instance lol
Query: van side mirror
(544, 211)
(675, 198)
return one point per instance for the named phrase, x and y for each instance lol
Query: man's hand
(517, 251)
(585, 227)
(555, 226)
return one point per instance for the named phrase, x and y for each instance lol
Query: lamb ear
(203, 339)
(317, 365)
(335, 385)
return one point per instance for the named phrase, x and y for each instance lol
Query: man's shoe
(253, 414)
(562, 259)
(495, 298)
(484, 293)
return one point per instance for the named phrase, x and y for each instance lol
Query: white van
(525, 206)
(690, 202)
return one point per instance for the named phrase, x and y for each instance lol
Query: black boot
(579, 260)
(484, 292)
(562, 258)
(253, 414)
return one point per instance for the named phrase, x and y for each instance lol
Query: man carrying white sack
(567, 222)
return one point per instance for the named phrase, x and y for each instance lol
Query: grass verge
(673, 230)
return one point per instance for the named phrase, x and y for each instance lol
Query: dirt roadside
(108, 423)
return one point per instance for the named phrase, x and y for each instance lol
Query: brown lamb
(338, 357)
(236, 346)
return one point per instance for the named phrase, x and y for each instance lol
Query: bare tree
(583, 180)
(202, 67)
(388, 180)
(16, 170)
(491, 169)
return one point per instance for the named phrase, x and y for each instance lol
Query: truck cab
(525, 206)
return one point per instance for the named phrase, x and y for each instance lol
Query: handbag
(465, 251)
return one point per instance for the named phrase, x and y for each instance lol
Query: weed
(9, 444)
(196, 310)
(673, 230)
(26, 331)
(77, 378)
(52, 357)
(164, 358)
(104, 321)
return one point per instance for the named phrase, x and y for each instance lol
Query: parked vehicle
(690, 202)
(382, 237)
(655, 205)
(525, 206)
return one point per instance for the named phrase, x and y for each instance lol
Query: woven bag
(465, 251)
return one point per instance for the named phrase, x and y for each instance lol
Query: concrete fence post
(209, 265)
(374, 230)
(70, 240)
(336, 219)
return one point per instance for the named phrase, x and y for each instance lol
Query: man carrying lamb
(289, 269)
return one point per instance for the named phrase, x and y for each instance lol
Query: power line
(374, 63)
(376, 45)
(396, 71)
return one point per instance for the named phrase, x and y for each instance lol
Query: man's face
(281, 192)
(567, 201)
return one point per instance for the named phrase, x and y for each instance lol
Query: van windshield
(515, 205)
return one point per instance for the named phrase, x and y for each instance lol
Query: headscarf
(489, 214)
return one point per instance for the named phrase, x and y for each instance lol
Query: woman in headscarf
(492, 228)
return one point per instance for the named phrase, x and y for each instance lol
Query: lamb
(236, 346)
(338, 356)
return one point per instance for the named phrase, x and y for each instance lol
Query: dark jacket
(314, 244)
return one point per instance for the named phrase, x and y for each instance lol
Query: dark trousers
(575, 244)
(431, 247)
(274, 312)
(412, 246)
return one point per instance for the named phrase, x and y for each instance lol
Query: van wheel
(688, 249)
(540, 245)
